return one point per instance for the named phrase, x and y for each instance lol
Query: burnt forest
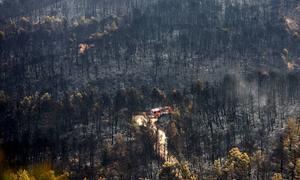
(149, 89)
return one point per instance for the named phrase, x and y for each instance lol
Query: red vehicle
(158, 112)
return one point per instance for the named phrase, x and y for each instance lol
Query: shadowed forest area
(149, 89)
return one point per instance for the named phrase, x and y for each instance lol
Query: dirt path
(161, 145)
